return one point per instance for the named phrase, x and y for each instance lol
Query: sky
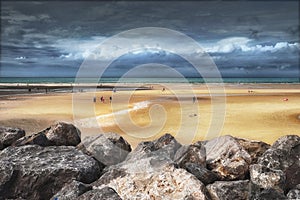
(243, 38)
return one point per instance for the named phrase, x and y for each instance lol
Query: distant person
(164, 89)
(194, 99)
(101, 99)
(114, 90)
(94, 99)
(110, 99)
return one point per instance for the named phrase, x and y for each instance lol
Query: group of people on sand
(102, 99)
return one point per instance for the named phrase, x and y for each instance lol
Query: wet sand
(255, 111)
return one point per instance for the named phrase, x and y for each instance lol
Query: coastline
(260, 115)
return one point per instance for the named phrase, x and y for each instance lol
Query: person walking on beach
(101, 99)
(94, 99)
(110, 99)
(194, 99)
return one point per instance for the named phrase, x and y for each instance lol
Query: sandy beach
(254, 111)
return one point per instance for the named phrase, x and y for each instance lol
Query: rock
(142, 150)
(63, 134)
(269, 194)
(105, 193)
(37, 139)
(294, 193)
(194, 153)
(284, 155)
(9, 135)
(226, 157)
(168, 144)
(167, 183)
(229, 190)
(34, 172)
(254, 148)
(109, 148)
(201, 173)
(59, 134)
(72, 191)
(266, 178)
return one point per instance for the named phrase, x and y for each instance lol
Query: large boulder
(284, 155)
(229, 190)
(266, 178)
(62, 133)
(72, 191)
(166, 183)
(105, 193)
(294, 193)
(194, 153)
(269, 194)
(109, 148)
(34, 172)
(9, 135)
(201, 173)
(59, 134)
(226, 157)
(166, 146)
(277, 169)
(149, 172)
(254, 148)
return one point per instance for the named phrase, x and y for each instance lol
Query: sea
(144, 80)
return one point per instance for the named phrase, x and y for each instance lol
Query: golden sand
(264, 114)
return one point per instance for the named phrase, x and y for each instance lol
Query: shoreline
(262, 114)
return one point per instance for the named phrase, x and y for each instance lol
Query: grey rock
(9, 135)
(166, 183)
(227, 190)
(267, 178)
(34, 139)
(34, 172)
(166, 147)
(168, 144)
(294, 193)
(105, 193)
(194, 153)
(72, 191)
(201, 173)
(109, 148)
(59, 134)
(62, 133)
(254, 148)
(269, 194)
(226, 157)
(284, 155)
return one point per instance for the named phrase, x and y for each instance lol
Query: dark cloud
(55, 36)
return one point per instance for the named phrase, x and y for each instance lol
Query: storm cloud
(244, 38)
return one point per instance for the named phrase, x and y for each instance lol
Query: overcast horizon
(244, 38)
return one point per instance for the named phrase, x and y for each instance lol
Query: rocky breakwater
(56, 164)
